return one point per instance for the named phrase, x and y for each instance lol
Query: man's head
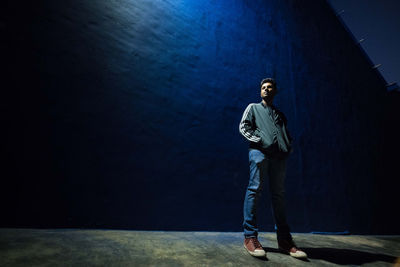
(268, 89)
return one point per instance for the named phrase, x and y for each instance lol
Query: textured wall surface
(124, 114)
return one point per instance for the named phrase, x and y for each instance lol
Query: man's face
(267, 91)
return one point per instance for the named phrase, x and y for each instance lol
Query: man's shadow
(341, 256)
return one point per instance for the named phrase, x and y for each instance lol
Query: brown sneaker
(289, 247)
(253, 246)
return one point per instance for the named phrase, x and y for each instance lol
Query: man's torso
(275, 139)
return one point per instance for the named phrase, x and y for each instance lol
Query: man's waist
(273, 150)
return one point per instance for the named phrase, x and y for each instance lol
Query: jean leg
(277, 174)
(258, 165)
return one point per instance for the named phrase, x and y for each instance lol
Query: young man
(264, 126)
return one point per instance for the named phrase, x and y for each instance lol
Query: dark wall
(125, 115)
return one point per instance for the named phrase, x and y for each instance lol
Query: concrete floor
(76, 247)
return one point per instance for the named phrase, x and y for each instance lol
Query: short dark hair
(268, 80)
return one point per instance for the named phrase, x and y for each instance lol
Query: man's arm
(287, 130)
(246, 127)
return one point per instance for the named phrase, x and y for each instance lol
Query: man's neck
(267, 103)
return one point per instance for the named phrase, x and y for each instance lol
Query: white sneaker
(289, 247)
(297, 253)
(253, 246)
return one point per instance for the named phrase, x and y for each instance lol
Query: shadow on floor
(342, 256)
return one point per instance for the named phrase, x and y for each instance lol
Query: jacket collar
(271, 106)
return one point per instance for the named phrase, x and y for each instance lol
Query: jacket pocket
(266, 139)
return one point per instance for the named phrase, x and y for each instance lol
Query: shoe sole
(301, 256)
(262, 253)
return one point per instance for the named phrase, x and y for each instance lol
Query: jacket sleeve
(247, 127)
(287, 130)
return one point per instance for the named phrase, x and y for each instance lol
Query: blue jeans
(261, 167)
